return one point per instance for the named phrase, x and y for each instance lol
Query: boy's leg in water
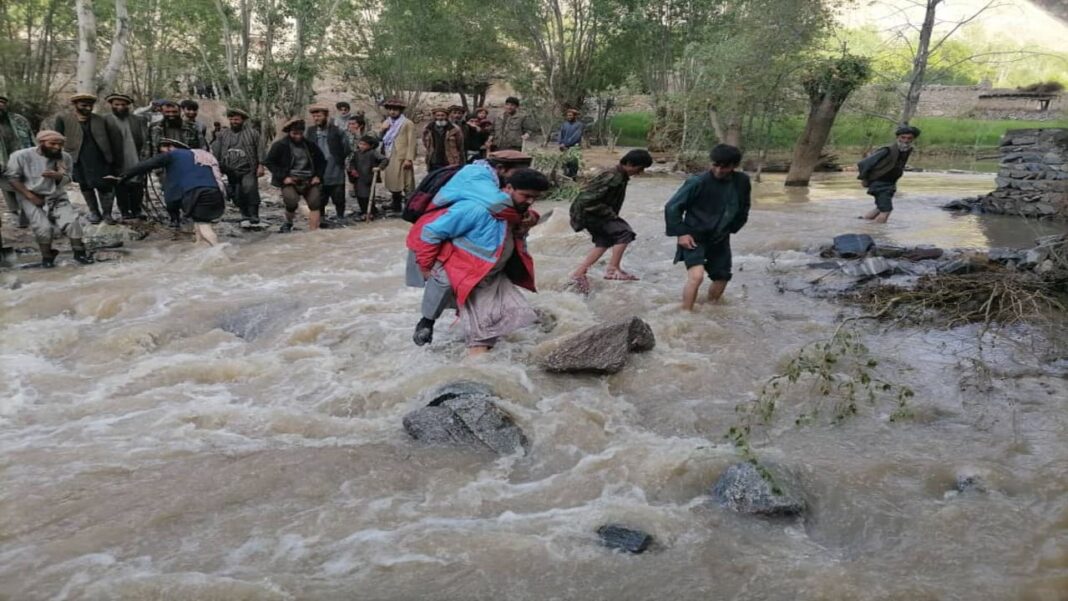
(694, 277)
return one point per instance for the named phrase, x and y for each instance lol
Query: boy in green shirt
(596, 210)
(703, 214)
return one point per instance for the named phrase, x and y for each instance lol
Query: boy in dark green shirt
(703, 214)
(596, 210)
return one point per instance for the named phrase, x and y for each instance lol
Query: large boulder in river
(743, 488)
(466, 414)
(601, 349)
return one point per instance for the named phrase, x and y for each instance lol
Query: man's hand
(50, 174)
(35, 199)
(260, 171)
(530, 219)
(315, 181)
(526, 136)
(687, 242)
(425, 273)
(407, 165)
(289, 181)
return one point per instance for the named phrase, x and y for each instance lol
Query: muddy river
(225, 424)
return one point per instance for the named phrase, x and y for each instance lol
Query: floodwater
(149, 452)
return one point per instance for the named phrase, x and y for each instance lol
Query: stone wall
(961, 101)
(1033, 176)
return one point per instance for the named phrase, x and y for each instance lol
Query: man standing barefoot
(880, 170)
(703, 214)
(596, 210)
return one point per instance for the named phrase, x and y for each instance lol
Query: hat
(236, 112)
(292, 123)
(395, 103)
(319, 108)
(908, 129)
(173, 142)
(4, 98)
(165, 102)
(439, 109)
(83, 97)
(569, 111)
(510, 157)
(111, 97)
(457, 108)
(480, 108)
(47, 135)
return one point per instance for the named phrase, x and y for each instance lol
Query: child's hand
(687, 242)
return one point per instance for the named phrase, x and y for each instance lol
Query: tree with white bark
(87, 79)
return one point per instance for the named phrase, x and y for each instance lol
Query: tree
(86, 75)
(828, 84)
(927, 44)
(562, 39)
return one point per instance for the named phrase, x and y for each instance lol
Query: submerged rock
(601, 349)
(970, 483)
(251, 321)
(624, 539)
(744, 489)
(103, 235)
(466, 414)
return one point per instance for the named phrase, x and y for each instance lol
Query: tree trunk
(919, 63)
(810, 145)
(734, 132)
(228, 43)
(86, 71)
(118, 49)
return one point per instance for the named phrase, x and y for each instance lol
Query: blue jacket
(183, 173)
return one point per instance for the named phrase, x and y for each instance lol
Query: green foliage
(835, 78)
(853, 131)
(834, 378)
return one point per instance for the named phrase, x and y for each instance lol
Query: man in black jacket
(334, 144)
(703, 214)
(97, 149)
(297, 167)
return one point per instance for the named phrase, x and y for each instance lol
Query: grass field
(852, 131)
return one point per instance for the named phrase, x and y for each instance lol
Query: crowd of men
(470, 214)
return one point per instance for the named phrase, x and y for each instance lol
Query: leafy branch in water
(839, 370)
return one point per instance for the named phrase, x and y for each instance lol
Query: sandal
(581, 283)
(621, 276)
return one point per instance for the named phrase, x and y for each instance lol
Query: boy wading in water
(703, 214)
(596, 210)
(880, 170)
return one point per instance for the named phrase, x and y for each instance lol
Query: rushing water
(148, 452)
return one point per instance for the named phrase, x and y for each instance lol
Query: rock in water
(853, 246)
(744, 489)
(601, 349)
(624, 539)
(465, 414)
(251, 321)
(102, 235)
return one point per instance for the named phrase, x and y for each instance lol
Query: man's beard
(121, 113)
(85, 112)
(172, 121)
(51, 154)
(904, 147)
(237, 128)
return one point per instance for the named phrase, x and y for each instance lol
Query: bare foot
(620, 275)
(476, 351)
(882, 218)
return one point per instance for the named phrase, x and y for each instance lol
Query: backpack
(420, 198)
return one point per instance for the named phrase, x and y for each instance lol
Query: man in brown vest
(880, 170)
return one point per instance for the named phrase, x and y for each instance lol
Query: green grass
(854, 131)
